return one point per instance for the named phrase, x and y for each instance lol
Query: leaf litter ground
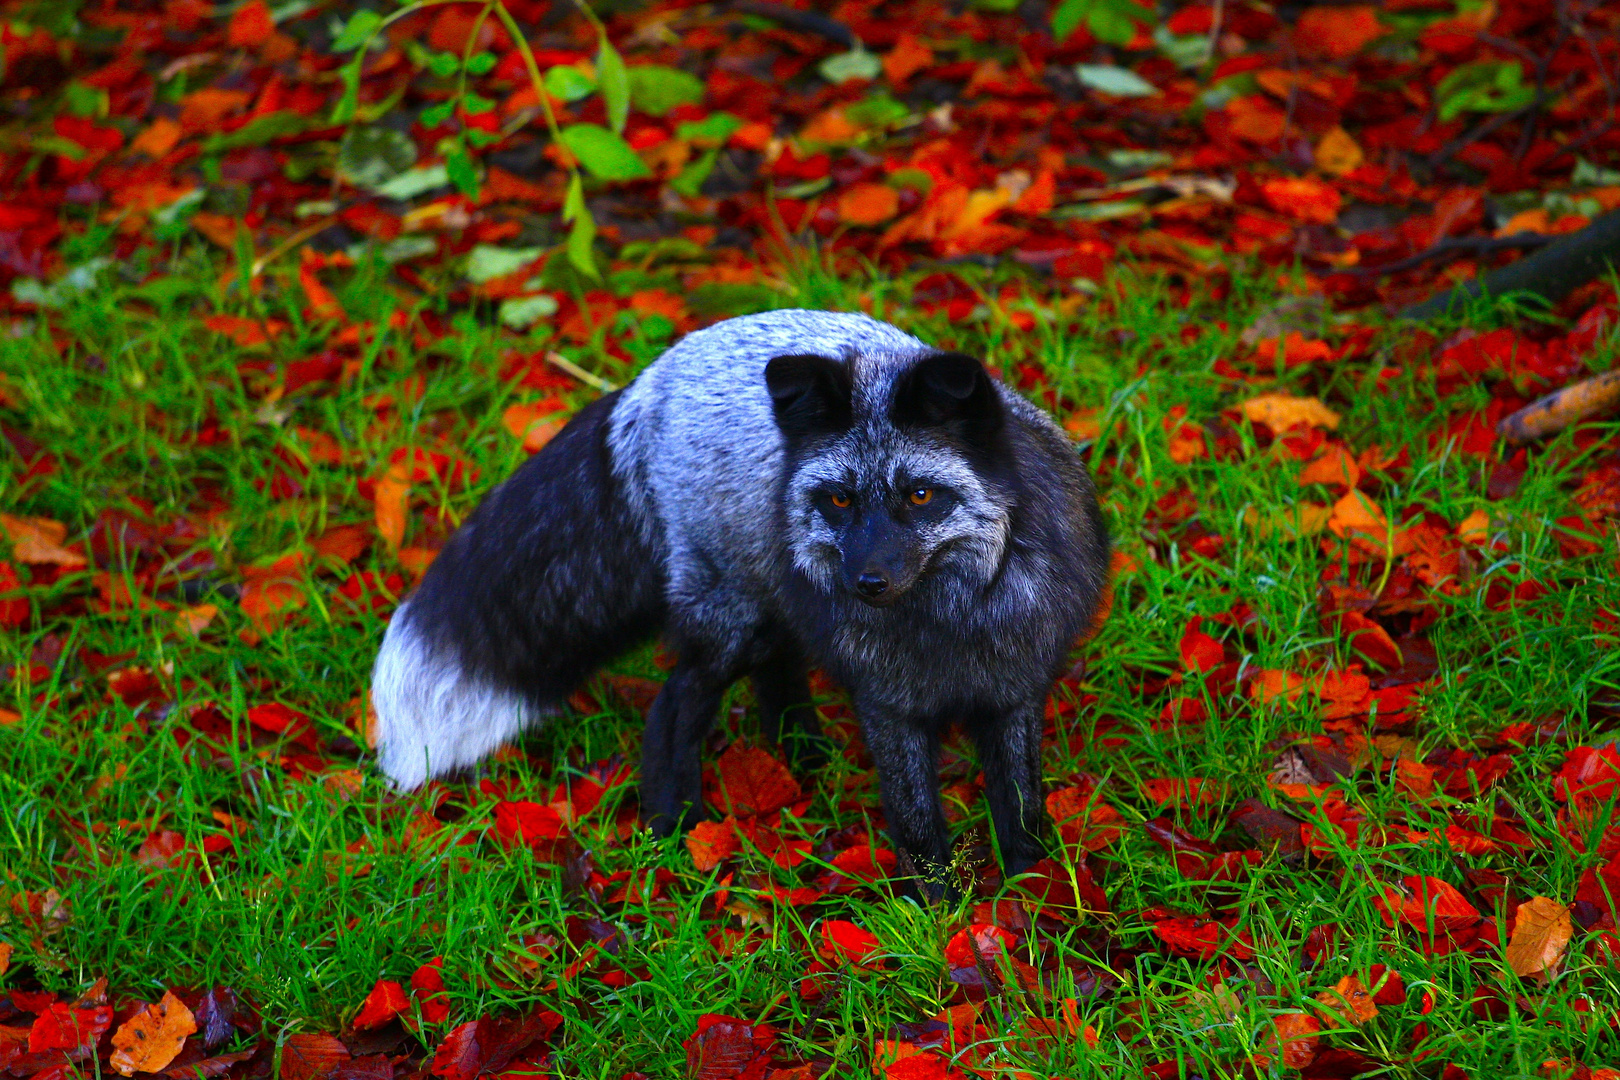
(1334, 784)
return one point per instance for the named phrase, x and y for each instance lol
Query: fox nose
(871, 585)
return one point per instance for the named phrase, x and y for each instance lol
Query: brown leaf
(153, 1037)
(311, 1056)
(1541, 930)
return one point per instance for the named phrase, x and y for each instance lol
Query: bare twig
(1454, 246)
(1557, 411)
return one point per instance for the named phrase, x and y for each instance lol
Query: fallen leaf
(1280, 412)
(868, 204)
(392, 503)
(39, 541)
(1348, 1002)
(153, 1037)
(1541, 930)
(711, 843)
(1338, 153)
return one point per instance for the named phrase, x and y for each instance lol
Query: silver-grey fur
(705, 516)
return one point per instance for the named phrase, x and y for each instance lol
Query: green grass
(324, 894)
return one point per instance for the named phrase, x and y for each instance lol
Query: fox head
(894, 469)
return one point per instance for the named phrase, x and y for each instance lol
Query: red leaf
(990, 940)
(842, 940)
(754, 782)
(311, 1057)
(1426, 901)
(62, 1027)
(1199, 651)
(386, 1001)
(1590, 774)
(461, 1055)
(251, 26)
(726, 1048)
(427, 987)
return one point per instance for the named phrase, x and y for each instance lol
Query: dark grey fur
(701, 502)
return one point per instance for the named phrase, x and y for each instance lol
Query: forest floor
(1334, 784)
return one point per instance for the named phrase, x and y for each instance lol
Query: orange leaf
(322, 304)
(391, 504)
(1256, 119)
(1334, 466)
(1296, 1034)
(711, 843)
(1348, 1002)
(1302, 198)
(194, 620)
(1337, 33)
(908, 57)
(868, 204)
(1541, 929)
(1354, 515)
(152, 1038)
(1426, 900)
(38, 541)
(1272, 685)
(1338, 153)
(1344, 693)
(1280, 412)
(535, 423)
(251, 25)
(158, 138)
(1369, 639)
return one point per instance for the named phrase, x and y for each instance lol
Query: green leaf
(1121, 82)
(615, 83)
(879, 110)
(1067, 17)
(604, 154)
(855, 64)
(443, 64)
(82, 99)
(1483, 87)
(473, 104)
(1110, 25)
(362, 24)
(345, 109)
(568, 83)
(583, 234)
(369, 156)
(458, 164)
(481, 138)
(258, 131)
(690, 180)
(434, 115)
(712, 130)
(486, 262)
(481, 63)
(522, 312)
(413, 182)
(655, 89)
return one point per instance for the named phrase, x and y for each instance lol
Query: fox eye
(921, 496)
(839, 499)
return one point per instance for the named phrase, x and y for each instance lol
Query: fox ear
(810, 394)
(948, 390)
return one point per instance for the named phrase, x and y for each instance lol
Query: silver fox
(775, 491)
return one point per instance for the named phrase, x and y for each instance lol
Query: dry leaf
(1355, 513)
(153, 1037)
(38, 541)
(1338, 153)
(1334, 466)
(194, 620)
(1541, 929)
(1279, 412)
(391, 503)
(1349, 1002)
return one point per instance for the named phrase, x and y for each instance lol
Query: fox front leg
(672, 748)
(906, 751)
(1010, 754)
(786, 713)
